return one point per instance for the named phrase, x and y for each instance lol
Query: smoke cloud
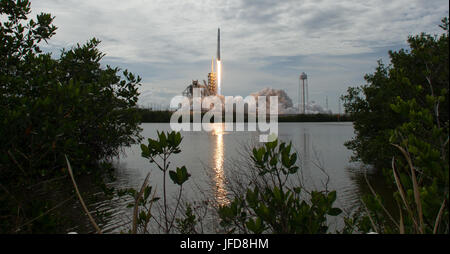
(285, 105)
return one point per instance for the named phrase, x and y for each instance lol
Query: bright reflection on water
(220, 192)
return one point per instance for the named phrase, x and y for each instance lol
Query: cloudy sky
(265, 43)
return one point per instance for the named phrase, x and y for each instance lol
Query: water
(209, 157)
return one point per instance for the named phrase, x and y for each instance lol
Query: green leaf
(273, 162)
(145, 151)
(147, 192)
(173, 175)
(297, 190)
(179, 176)
(332, 197)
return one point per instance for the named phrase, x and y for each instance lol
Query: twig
(379, 201)
(149, 212)
(176, 208)
(438, 218)
(80, 198)
(47, 212)
(402, 224)
(370, 216)
(47, 181)
(402, 193)
(17, 163)
(136, 204)
(415, 187)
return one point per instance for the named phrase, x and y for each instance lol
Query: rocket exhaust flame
(219, 65)
(219, 77)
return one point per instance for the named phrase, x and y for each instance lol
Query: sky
(265, 43)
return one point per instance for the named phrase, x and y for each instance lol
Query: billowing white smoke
(285, 105)
(313, 108)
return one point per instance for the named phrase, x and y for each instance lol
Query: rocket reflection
(220, 192)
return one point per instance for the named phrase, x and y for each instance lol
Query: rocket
(218, 44)
(219, 65)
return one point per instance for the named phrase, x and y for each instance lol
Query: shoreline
(149, 116)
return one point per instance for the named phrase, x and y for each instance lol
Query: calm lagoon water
(208, 157)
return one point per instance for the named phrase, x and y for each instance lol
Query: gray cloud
(264, 43)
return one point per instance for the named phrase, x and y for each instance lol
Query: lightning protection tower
(303, 97)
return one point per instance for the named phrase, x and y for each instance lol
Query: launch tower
(212, 79)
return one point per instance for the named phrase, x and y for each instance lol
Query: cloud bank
(267, 42)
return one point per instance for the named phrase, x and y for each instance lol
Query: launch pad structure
(212, 79)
